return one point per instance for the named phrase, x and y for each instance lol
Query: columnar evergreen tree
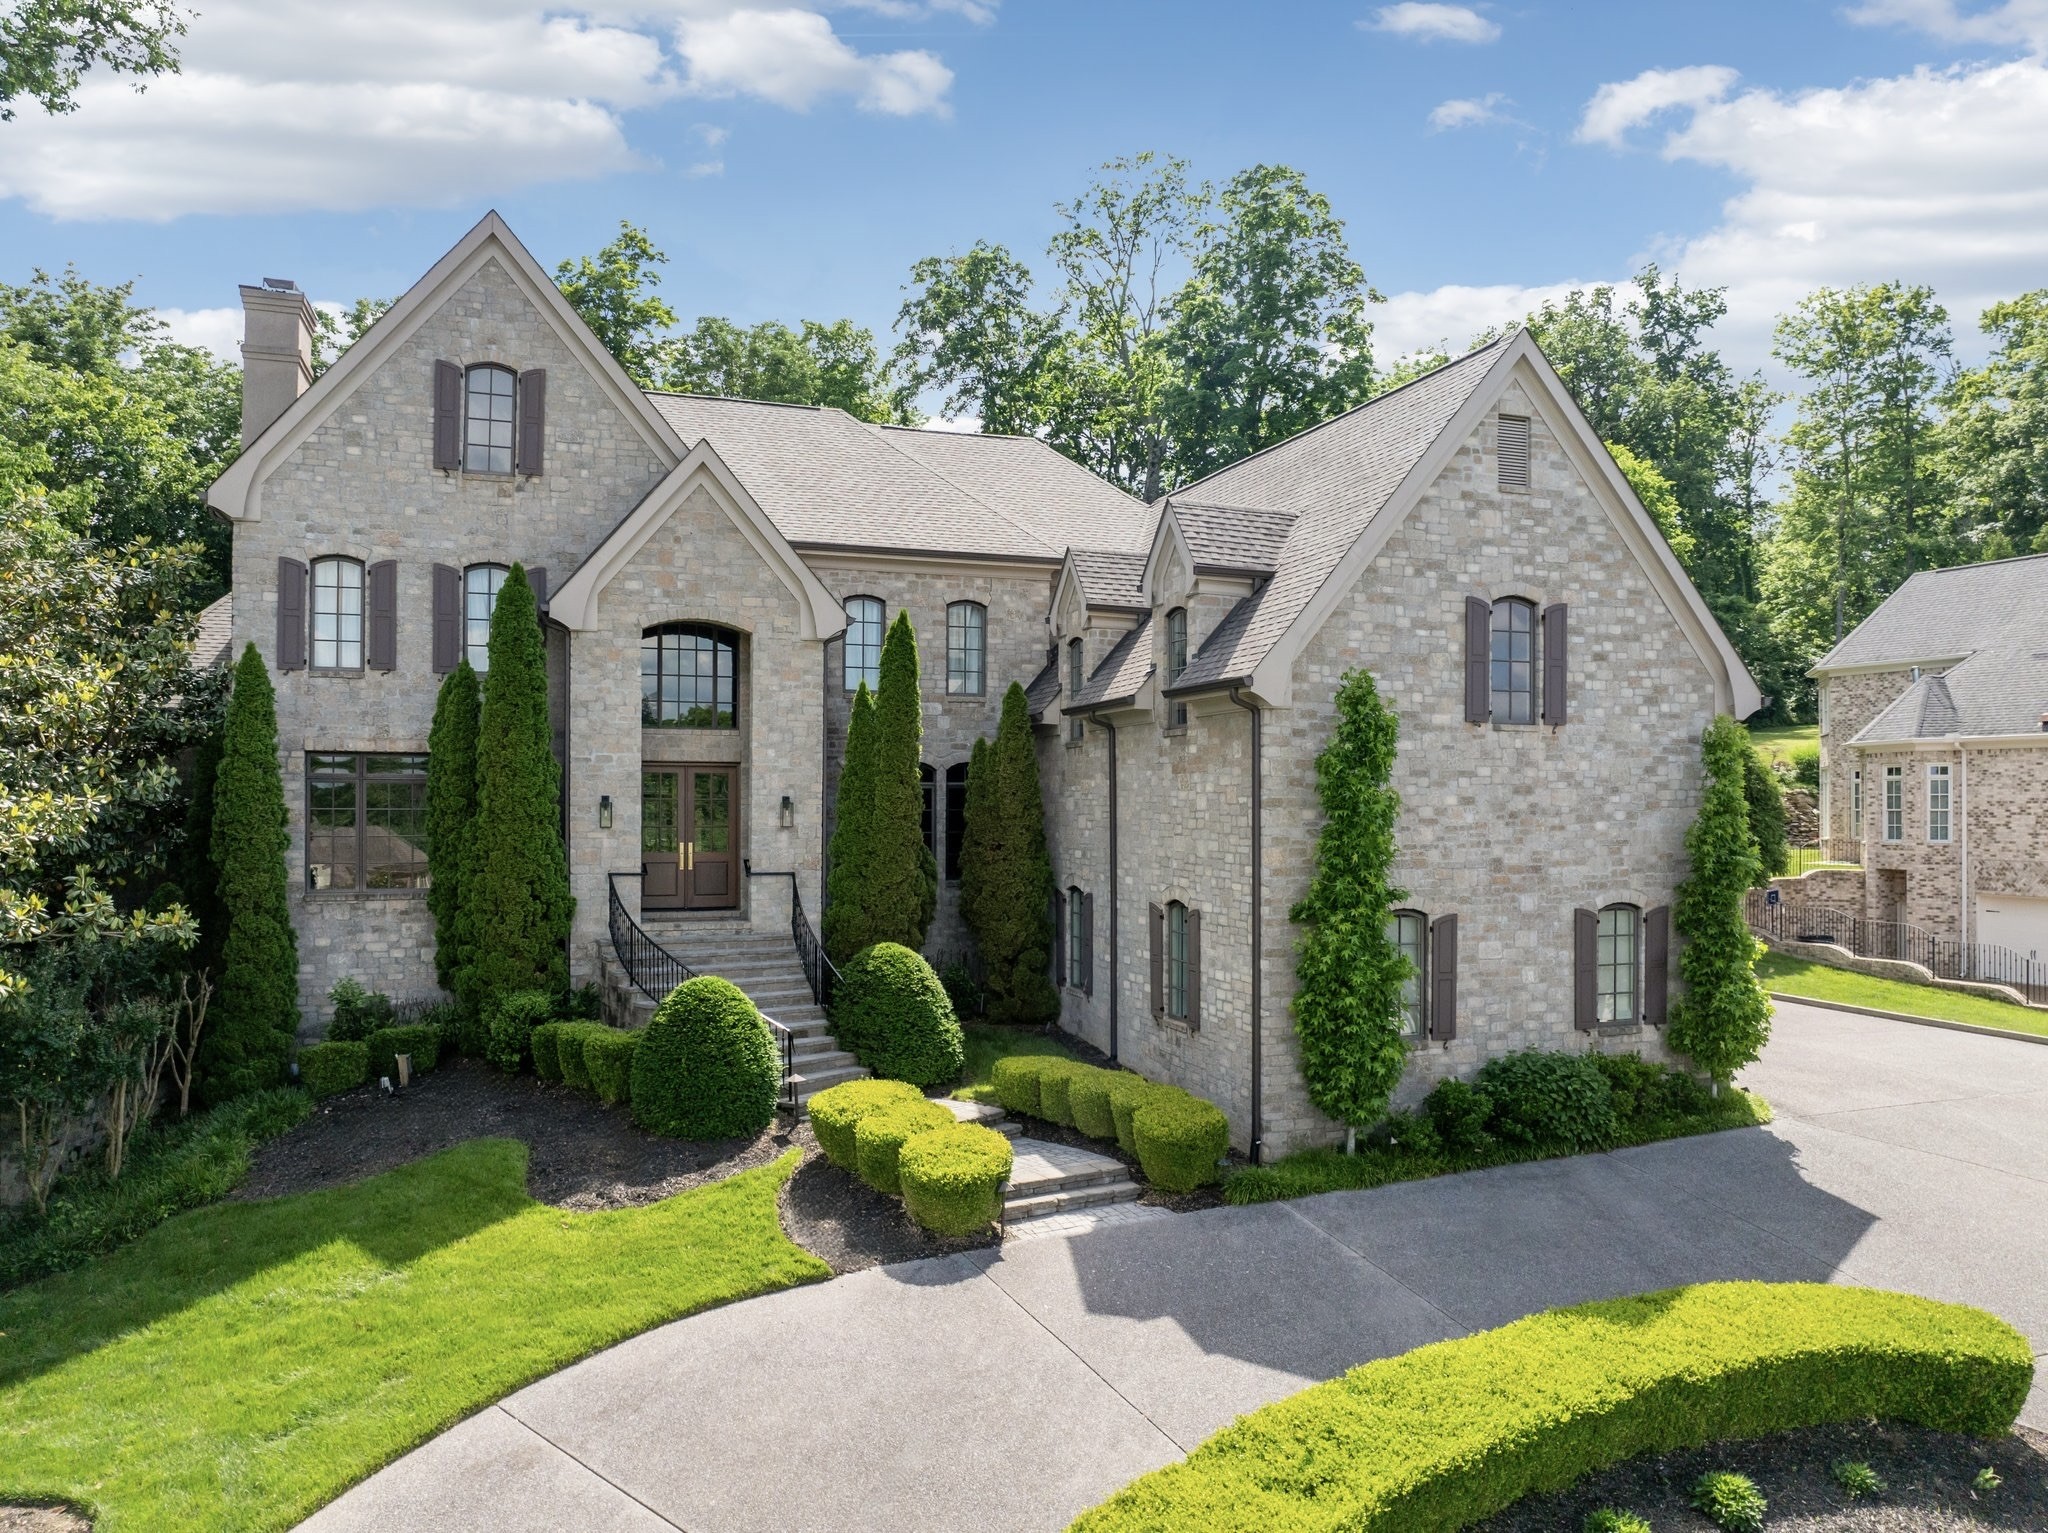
(513, 921)
(847, 925)
(972, 809)
(198, 878)
(1347, 1004)
(1011, 910)
(1765, 802)
(256, 1010)
(451, 808)
(902, 877)
(1724, 1018)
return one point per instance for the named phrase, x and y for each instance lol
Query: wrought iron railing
(655, 971)
(819, 972)
(1943, 957)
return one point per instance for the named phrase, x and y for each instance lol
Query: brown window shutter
(447, 415)
(533, 421)
(1553, 664)
(1478, 643)
(291, 615)
(537, 578)
(1088, 944)
(1059, 938)
(382, 649)
(1443, 978)
(1195, 971)
(1656, 965)
(447, 618)
(1585, 968)
(1156, 927)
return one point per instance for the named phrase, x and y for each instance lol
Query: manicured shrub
(890, 1010)
(608, 1061)
(836, 1109)
(1015, 1077)
(847, 926)
(572, 1052)
(1125, 1098)
(325, 1068)
(356, 1012)
(421, 1040)
(1730, 1501)
(953, 1177)
(545, 1043)
(1610, 1519)
(1055, 1084)
(512, 1018)
(705, 1067)
(1407, 1133)
(1448, 1434)
(902, 878)
(1542, 1098)
(1460, 1112)
(1180, 1138)
(878, 1139)
(1088, 1101)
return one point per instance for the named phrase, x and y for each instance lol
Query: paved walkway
(1015, 1388)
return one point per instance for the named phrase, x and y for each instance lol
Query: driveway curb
(1900, 1016)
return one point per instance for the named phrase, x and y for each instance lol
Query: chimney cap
(281, 284)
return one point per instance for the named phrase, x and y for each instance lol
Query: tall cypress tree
(902, 878)
(198, 878)
(847, 925)
(973, 811)
(1012, 905)
(451, 807)
(256, 1010)
(513, 921)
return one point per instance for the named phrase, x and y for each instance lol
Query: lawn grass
(242, 1364)
(988, 1042)
(1776, 744)
(1824, 982)
(1307, 1172)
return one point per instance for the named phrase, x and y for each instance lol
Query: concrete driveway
(1013, 1389)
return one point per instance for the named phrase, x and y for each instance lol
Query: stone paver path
(1016, 1387)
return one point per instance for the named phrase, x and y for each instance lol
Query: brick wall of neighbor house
(362, 484)
(697, 567)
(1852, 701)
(2007, 793)
(1932, 870)
(1016, 597)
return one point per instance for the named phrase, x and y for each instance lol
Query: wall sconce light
(788, 812)
(604, 811)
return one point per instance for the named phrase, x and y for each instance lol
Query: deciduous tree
(47, 47)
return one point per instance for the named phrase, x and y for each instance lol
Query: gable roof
(1122, 673)
(1946, 614)
(1999, 691)
(1109, 579)
(1231, 539)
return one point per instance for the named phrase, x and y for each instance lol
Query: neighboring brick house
(717, 573)
(1934, 754)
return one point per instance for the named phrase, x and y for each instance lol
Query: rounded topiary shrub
(835, 1110)
(1126, 1096)
(1559, 1101)
(1088, 1101)
(547, 1063)
(509, 1025)
(325, 1068)
(953, 1177)
(607, 1055)
(1180, 1139)
(889, 1009)
(1015, 1078)
(1055, 1088)
(879, 1137)
(705, 1067)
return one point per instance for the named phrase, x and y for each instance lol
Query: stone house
(716, 575)
(1934, 756)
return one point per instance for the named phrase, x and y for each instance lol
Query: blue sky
(794, 157)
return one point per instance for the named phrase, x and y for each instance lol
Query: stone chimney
(277, 352)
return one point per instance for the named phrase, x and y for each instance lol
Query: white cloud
(2022, 22)
(981, 12)
(710, 135)
(287, 105)
(1451, 316)
(216, 330)
(1433, 23)
(1470, 112)
(1624, 104)
(702, 168)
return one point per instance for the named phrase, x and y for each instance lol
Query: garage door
(2021, 925)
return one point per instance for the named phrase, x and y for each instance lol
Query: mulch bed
(1928, 1478)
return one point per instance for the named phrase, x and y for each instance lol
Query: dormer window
(488, 395)
(1176, 663)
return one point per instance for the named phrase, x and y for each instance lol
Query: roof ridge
(945, 478)
(740, 399)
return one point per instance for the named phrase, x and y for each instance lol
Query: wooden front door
(689, 837)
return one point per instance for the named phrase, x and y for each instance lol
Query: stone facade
(1849, 702)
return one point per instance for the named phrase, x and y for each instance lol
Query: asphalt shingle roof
(1122, 673)
(216, 635)
(1997, 691)
(1233, 537)
(1938, 614)
(1043, 688)
(1109, 579)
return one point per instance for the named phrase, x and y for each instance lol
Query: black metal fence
(1943, 957)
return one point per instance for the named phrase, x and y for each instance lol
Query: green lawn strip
(1824, 982)
(988, 1042)
(241, 1365)
(1307, 1172)
(1777, 744)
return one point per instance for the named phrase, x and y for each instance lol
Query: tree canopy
(48, 46)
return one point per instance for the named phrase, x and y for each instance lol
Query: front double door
(689, 837)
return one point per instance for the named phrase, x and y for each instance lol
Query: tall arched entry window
(689, 677)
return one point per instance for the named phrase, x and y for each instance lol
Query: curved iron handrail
(819, 972)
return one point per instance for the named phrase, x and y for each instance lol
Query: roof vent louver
(1512, 441)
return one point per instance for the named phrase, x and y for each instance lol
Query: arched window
(337, 615)
(1176, 662)
(1617, 955)
(689, 677)
(487, 419)
(956, 816)
(1177, 961)
(480, 586)
(863, 642)
(928, 794)
(1408, 930)
(1513, 656)
(966, 648)
(1077, 677)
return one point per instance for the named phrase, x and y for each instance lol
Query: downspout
(1258, 922)
(1114, 970)
(1963, 835)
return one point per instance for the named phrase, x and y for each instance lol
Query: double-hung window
(1894, 803)
(863, 643)
(337, 615)
(480, 586)
(966, 648)
(1408, 930)
(1176, 662)
(487, 420)
(1618, 950)
(1512, 661)
(1938, 801)
(366, 821)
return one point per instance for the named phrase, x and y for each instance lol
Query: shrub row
(1179, 1139)
(343, 1064)
(588, 1056)
(950, 1174)
(1443, 1436)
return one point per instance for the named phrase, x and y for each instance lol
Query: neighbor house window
(1408, 930)
(1938, 802)
(1177, 961)
(928, 799)
(1176, 662)
(480, 586)
(966, 648)
(366, 821)
(487, 420)
(689, 677)
(1079, 959)
(863, 643)
(1894, 803)
(1077, 674)
(1619, 946)
(1513, 661)
(956, 815)
(337, 615)
(1856, 804)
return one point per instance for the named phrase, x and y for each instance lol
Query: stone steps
(1048, 1180)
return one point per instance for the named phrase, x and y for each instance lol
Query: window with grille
(966, 648)
(689, 677)
(480, 586)
(1176, 662)
(487, 420)
(1177, 961)
(1617, 954)
(863, 643)
(1512, 661)
(1079, 959)
(1408, 930)
(1894, 803)
(337, 615)
(1077, 675)
(956, 815)
(1856, 804)
(1512, 438)
(366, 821)
(1938, 802)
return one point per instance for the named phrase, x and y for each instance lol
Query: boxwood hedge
(890, 1010)
(1445, 1435)
(608, 1060)
(1055, 1084)
(572, 1052)
(1015, 1077)
(879, 1137)
(705, 1067)
(547, 1063)
(1180, 1139)
(953, 1177)
(1088, 1101)
(422, 1040)
(325, 1068)
(836, 1109)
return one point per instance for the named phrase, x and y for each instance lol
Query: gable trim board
(238, 493)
